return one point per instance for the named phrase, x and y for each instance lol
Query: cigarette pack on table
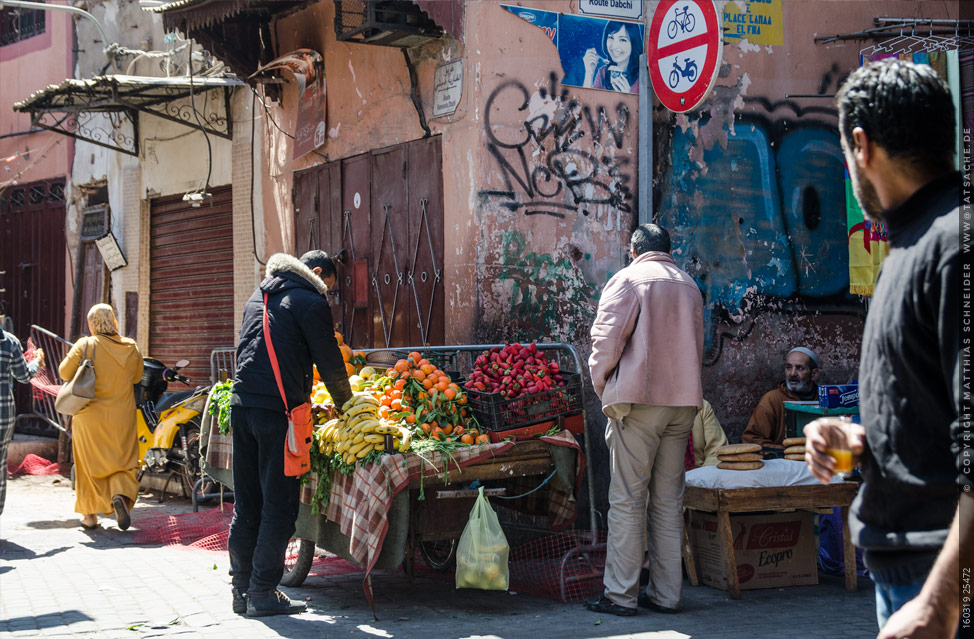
(838, 396)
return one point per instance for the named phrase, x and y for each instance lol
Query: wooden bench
(723, 502)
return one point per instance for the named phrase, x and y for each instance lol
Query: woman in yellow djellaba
(106, 450)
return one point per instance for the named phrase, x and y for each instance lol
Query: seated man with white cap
(767, 424)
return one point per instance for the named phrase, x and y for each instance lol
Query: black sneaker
(644, 602)
(273, 603)
(605, 605)
(239, 601)
(122, 517)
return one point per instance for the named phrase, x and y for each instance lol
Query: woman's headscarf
(102, 320)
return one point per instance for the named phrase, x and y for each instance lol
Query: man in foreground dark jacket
(914, 510)
(265, 500)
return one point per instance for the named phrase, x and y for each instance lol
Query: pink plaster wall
(508, 274)
(25, 67)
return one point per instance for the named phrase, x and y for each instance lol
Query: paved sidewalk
(57, 580)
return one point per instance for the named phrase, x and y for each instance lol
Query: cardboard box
(841, 396)
(772, 550)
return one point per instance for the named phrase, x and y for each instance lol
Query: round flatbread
(795, 450)
(799, 458)
(737, 449)
(793, 441)
(751, 465)
(741, 457)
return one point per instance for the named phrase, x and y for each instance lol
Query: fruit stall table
(380, 513)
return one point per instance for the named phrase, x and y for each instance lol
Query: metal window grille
(19, 24)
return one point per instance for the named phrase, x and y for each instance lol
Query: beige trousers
(646, 452)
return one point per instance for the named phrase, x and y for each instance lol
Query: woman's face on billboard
(619, 47)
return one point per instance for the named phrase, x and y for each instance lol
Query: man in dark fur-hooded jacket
(265, 500)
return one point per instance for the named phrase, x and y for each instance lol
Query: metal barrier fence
(47, 382)
(223, 363)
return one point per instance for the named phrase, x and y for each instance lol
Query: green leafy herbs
(220, 404)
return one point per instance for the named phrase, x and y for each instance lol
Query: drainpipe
(39, 6)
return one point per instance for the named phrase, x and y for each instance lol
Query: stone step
(23, 445)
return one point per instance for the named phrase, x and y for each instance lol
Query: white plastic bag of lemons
(482, 551)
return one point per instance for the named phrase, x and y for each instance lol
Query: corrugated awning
(104, 110)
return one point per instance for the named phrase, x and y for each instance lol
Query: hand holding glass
(839, 448)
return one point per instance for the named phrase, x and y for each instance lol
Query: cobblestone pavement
(57, 580)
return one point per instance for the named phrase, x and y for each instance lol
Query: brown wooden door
(191, 281)
(32, 256)
(92, 283)
(384, 209)
(32, 261)
(390, 239)
(356, 229)
(424, 276)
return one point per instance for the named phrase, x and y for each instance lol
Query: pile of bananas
(360, 430)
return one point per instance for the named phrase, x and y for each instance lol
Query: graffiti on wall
(763, 217)
(549, 294)
(560, 156)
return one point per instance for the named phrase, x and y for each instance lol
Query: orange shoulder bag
(300, 425)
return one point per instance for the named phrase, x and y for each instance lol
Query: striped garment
(12, 367)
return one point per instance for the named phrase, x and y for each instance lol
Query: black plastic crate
(498, 414)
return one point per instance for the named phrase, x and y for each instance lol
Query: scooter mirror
(183, 363)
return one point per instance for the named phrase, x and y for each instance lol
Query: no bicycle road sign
(683, 48)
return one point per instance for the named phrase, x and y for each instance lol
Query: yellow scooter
(168, 425)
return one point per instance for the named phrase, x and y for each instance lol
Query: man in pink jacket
(647, 346)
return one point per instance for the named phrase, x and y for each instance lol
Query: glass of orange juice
(840, 449)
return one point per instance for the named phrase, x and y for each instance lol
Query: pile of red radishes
(513, 371)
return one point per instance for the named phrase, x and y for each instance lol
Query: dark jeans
(265, 500)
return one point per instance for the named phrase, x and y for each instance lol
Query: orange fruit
(449, 393)
(462, 399)
(427, 367)
(411, 418)
(400, 384)
(418, 374)
(473, 432)
(467, 439)
(423, 362)
(438, 436)
(346, 352)
(396, 404)
(338, 336)
(401, 365)
(483, 439)
(442, 385)
(384, 411)
(385, 400)
(426, 428)
(415, 357)
(395, 394)
(427, 383)
(448, 429)
(440, 373)
(349, 369)
(458, 430)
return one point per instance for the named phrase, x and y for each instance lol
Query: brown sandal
(122, 517)
(89, 522)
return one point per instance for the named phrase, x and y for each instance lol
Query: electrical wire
(253, 225)
(535, 489)
(192, 103)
